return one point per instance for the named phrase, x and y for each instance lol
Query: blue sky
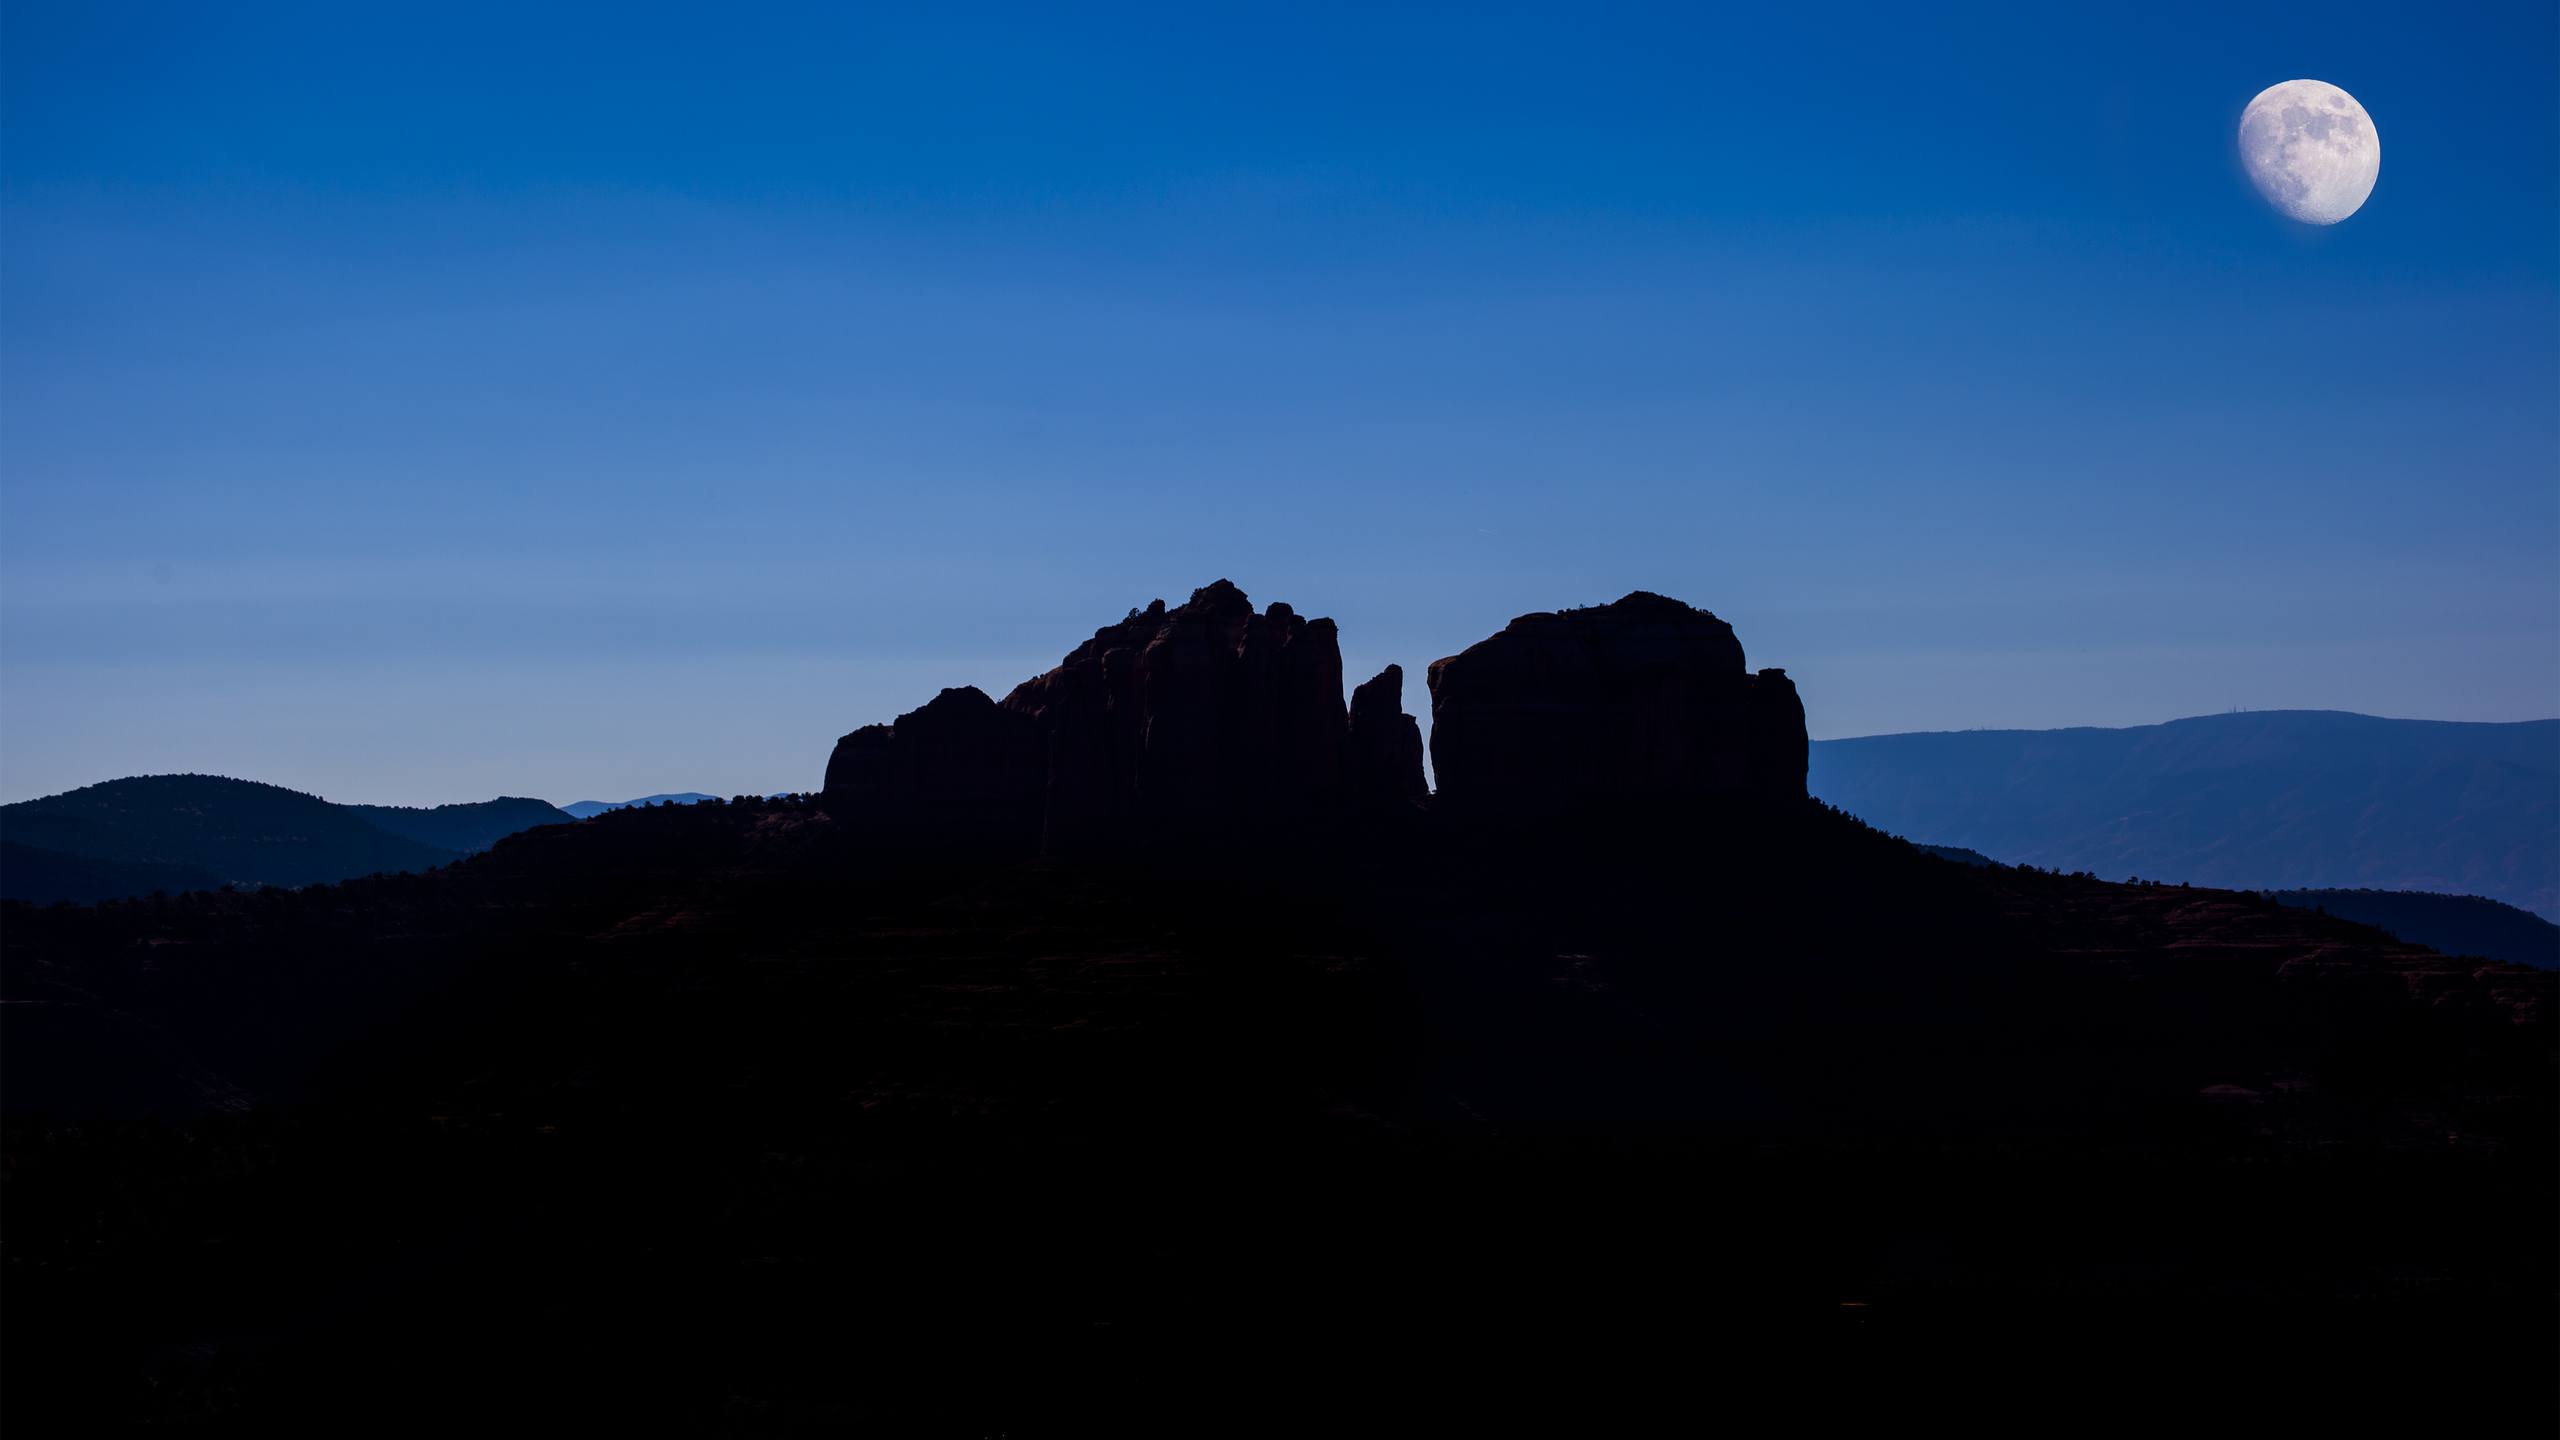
(418, 404)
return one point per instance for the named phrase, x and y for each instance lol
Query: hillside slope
(43, 876)
(1448, 1094)
(2297, 799)
(2452, 924)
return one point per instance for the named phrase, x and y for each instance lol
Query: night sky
(416, 404)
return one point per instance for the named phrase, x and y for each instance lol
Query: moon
(2311, 150)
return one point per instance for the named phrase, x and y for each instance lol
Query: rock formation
(1636, 702)
(1212, 718)
(1204, 716)
(1383, 762)
(958, 770)
(1204, 713)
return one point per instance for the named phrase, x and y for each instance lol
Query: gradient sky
(420, 404)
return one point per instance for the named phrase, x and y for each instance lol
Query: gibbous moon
(2311, 150)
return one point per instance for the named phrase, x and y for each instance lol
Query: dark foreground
(720, 1121)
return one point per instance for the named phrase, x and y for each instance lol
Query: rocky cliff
(1383, 762)
(959, 769)
(1208, 715)
(1638, 702)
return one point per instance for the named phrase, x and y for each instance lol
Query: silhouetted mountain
(191, 832)
(1958, 854)
(469, 827)
(2453, 924)
(242, 831)
(588, 809)
(44, 876)
(760, 1118)
(2289, 799)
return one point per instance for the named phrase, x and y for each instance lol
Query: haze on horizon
(412, 405)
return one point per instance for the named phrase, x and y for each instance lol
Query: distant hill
(2289, 799)
(470, 827)
(243, 831)
(2448, 924)
(193, 832)
(583, 809)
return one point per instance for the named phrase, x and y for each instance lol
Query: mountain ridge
(2220, 715)
(2262, 799)
(589, 809)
